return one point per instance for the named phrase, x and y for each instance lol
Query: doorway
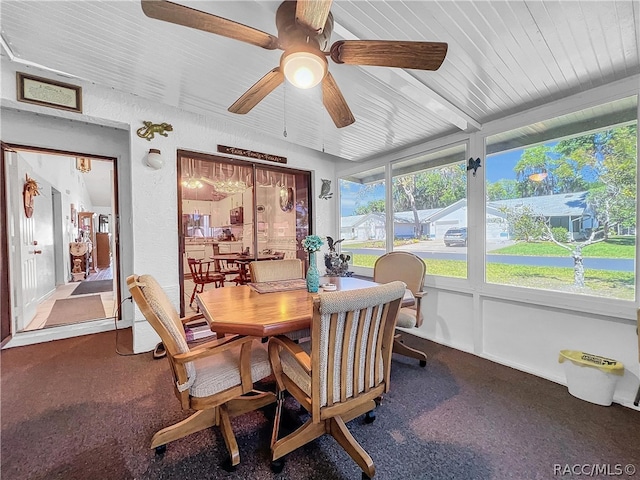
(64, 269)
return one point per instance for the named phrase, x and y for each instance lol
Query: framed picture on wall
(49, 93)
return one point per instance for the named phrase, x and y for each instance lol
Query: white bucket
(590, 383)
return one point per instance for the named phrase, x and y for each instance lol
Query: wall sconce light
(154, 159)
(83, 164)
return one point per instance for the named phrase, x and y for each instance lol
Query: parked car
(456, 236)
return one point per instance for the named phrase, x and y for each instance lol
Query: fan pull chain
(284, 113)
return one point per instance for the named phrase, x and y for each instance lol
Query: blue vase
(313, 275)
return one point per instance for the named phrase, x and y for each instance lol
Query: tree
(502, 190)
(605, 163)
(576, 252)
(534, 160)
(408, 186)
(524, 223)
(374, 206)
(611, 157)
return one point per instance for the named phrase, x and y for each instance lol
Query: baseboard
(63, 331)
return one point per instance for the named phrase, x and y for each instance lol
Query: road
(460, 253)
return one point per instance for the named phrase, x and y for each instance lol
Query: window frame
(475, 283)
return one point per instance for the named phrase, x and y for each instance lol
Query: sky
(497, 167)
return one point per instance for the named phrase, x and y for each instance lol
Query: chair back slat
(378, 362)
(358, 360)
(331, 376)
(347, 361)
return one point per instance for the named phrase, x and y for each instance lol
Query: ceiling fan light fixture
(303, 69)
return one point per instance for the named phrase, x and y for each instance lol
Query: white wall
(148, 204)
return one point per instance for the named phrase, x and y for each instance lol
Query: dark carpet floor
(75, 410)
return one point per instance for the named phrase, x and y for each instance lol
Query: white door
(31, 242)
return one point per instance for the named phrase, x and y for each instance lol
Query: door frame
(7, 274)
(5, 294)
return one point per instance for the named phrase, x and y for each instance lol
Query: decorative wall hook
(474, 165)
(150, 129)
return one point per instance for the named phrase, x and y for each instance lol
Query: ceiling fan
(304, 28)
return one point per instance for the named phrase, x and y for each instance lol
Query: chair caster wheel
(160, 449)
(369, 417)
(277, 465)
(227, 466)
(423, 363)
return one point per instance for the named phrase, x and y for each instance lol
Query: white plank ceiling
(504, 57)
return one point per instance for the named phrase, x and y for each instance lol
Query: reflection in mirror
(223, 214)
(286, 199)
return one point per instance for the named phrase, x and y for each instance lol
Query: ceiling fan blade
(313, 13)
(388, 53)
(257, 92)
(190, 17)
(335, 103)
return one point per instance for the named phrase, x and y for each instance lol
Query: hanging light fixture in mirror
(189, 180)
(225, 183)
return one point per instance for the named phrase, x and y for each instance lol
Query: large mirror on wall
(233, 211)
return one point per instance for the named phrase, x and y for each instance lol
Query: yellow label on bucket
(603, 363)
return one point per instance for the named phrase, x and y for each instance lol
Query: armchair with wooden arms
(214, 378)
(410, 269)
(346, 372)
(274, 270)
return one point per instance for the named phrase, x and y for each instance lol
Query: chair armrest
(191, 318)
(419, 296)
(213, 347)
(293, 348)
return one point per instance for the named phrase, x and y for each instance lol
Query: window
(430, 209)
(561, 203)
(362, 217)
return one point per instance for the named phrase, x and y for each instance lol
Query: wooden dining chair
(214, 378)
(410, 269)
(228, 268)
(275, 270)
(346, 371)
(203, 273)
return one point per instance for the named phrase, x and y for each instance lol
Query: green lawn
(597, 282)
(615, 247)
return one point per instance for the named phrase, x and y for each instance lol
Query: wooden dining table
(242, 310)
